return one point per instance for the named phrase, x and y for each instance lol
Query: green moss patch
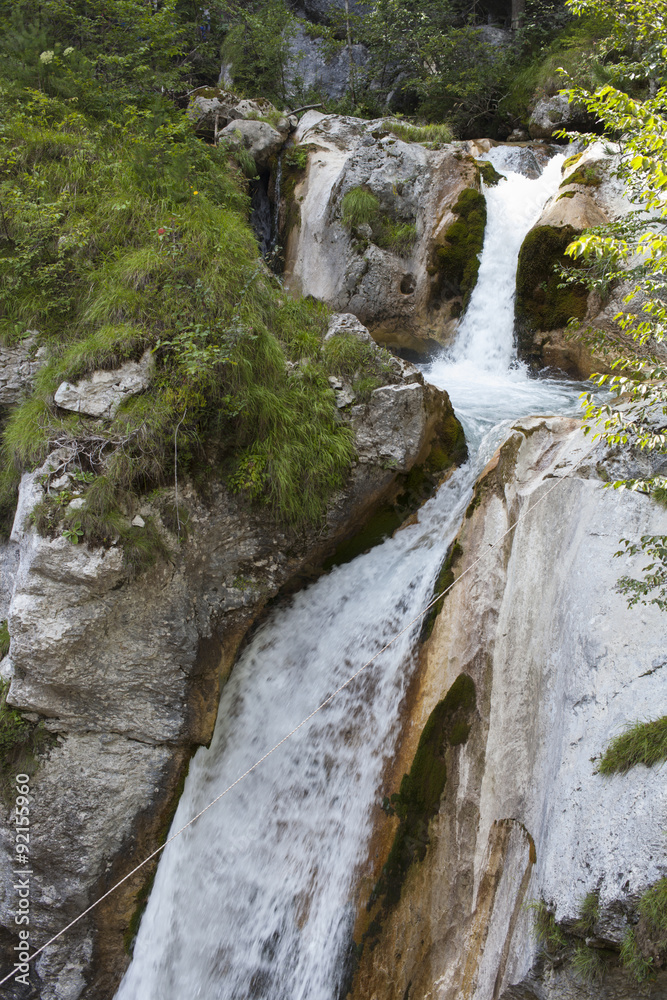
(583, 175)
(541, 304)
(489, 174)
(643, 743)
(455, 264)
(420, 793)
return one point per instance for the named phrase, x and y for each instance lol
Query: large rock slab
(560, 665)
(102, 393)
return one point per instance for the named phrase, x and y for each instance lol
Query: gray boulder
(260, 139)
(554, 113)
(347, 323)
(211, 109)
(102, 393)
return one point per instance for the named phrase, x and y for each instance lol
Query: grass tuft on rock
(589, 964)
(429, 135)
(642, 743)
(359, 207)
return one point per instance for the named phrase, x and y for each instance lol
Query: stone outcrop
(551, 114)
(590, 195)
(102, 393)
(211, 109)
(126, 672)
(18, 365)
(559, 665)
(389, 271)
(260, 139)
(316, 70)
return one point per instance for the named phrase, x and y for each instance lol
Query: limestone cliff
(521, 819)
(126, 671)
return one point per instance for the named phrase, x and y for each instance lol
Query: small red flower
(161, 231)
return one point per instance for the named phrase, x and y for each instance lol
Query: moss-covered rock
(456, 262)
(541, 304)
(489, 174)
(418, 798)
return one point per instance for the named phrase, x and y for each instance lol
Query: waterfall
(256, 900)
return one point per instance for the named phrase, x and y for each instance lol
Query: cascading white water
(256, 900)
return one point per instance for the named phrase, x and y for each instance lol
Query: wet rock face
(376, 258)
(523, 816)
(127, 671)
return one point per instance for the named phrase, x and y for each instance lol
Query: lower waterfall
(256, 900)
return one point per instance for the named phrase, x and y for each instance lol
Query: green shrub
(359, 207)
(642, 743)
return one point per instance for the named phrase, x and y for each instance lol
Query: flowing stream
(256, 899)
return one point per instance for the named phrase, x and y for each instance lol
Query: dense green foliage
(121, 232)
(633, 250)
(642, 743)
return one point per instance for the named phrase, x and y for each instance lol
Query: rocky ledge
(125, 672)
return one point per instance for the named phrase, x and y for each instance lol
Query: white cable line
(293, 731)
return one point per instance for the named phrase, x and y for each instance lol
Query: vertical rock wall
(560, 665)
